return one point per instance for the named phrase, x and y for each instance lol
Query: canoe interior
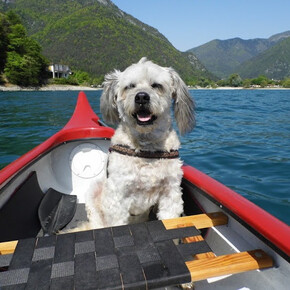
(69, 168)
(75, 167)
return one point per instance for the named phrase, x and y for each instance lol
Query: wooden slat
(200, 221)
(228, 264)
(208, 255)
(8, 247)
(194, 239)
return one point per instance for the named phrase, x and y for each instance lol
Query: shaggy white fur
(139, 100)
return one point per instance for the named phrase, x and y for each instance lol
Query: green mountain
(195, 62)
(273, 63)
(96, 36)
(224, 57)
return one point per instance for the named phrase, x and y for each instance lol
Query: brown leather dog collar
(126, 150)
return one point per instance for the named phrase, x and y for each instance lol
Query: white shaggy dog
(143, 167)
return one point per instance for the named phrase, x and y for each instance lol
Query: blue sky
(190, 23)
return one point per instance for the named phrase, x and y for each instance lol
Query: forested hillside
(96, 37)
(224, 57)
(273, 63)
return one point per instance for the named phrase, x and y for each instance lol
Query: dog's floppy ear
(183, 104)
(108, 99)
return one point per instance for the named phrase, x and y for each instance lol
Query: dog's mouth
(144, 117)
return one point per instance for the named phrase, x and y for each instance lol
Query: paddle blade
(56, 210)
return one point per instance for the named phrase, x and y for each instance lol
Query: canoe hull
(73, 161)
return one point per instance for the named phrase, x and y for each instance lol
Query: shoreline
(14, 88)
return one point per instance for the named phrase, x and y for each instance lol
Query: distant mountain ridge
(279, 36)
(96, 36)
(224, 57)
(273, 62)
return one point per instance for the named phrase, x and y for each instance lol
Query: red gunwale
(271, 228)
(84, 124)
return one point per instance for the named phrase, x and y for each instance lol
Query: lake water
(242, 137)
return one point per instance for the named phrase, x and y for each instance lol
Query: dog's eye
(131, 86)
(156, 86)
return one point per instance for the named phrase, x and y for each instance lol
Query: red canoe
(74, 158)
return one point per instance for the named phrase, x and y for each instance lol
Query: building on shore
(59, 70)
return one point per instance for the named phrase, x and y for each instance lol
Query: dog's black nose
(142, 98)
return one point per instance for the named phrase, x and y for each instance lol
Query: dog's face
(144, 96)
(141, 97)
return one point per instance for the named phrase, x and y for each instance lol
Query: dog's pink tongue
(144, 118)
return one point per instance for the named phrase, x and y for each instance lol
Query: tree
(13, 18)
(286, 83)
(222, 83)
(6, 21)
(235, 80)
(260, 81)
(81, 77)
(203, 82)
(24, 70)
(246, 83)
(4, 28)
(17, 39)
(24, 64)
